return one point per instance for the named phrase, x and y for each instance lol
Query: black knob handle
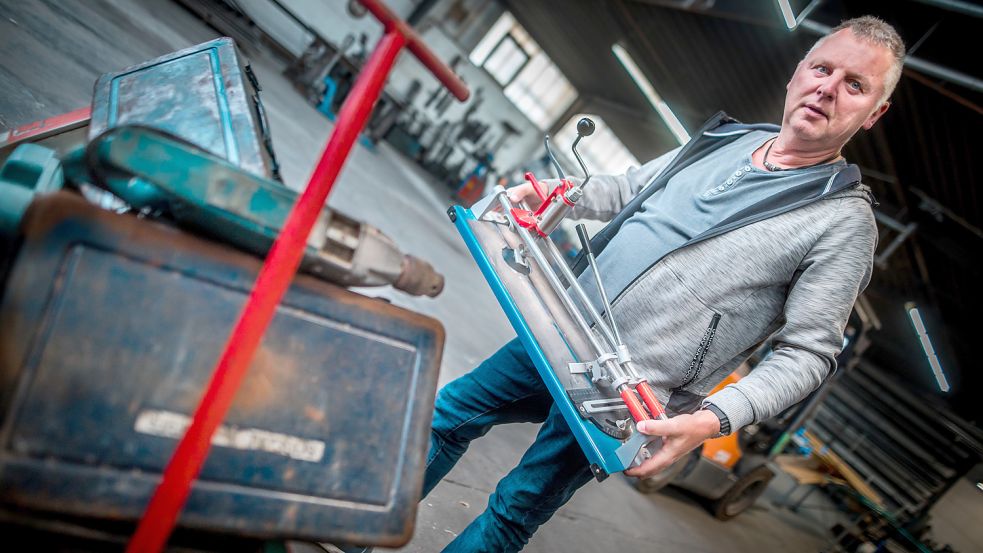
(585, 127)
(584, 239)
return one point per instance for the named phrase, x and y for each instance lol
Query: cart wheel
(743, 493)
(661, 480)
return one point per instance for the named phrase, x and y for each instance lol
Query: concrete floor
(50, 55)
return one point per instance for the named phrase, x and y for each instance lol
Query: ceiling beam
(957, 6)
(712, 8)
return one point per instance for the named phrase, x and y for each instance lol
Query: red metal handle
(418, 48)
(648, 396)
(540, 191)
(46, 127)
(634, 406)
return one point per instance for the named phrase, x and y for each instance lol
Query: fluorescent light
(791, 21)
(933, 359)
(650, 94)
(787, 13)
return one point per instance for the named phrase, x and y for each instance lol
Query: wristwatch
(724, 422)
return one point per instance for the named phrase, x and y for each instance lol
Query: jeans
(506, 388)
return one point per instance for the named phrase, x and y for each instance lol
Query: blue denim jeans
(506, 388)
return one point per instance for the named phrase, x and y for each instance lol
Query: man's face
(836, 90)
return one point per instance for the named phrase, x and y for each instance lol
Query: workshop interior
(244, 243)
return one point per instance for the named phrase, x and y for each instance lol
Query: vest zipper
(701, 351)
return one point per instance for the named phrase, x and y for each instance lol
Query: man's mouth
(816, 110)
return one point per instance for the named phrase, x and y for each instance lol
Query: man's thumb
(651, 427)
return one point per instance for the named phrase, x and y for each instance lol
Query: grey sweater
(792, 278)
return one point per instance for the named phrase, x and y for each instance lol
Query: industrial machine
(129, 245)
(578, 352)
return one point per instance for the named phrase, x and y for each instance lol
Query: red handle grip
(634, 406)
(540, 191)
(648, 396)
(419, 49)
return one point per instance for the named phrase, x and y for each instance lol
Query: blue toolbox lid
(205, 94)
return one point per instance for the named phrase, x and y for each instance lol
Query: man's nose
(829, 86)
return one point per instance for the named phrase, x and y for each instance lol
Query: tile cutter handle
(642, 387)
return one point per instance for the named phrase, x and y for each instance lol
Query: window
(602, 151)
(530, 79)
(506, 60)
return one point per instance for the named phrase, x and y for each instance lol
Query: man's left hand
(680, 435)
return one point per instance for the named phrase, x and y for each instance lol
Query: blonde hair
(876, 31)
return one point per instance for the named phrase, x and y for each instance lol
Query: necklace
(772, 167)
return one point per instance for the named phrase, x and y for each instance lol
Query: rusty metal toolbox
(111, 326)
(206, 94)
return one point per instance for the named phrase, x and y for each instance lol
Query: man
(748, 233)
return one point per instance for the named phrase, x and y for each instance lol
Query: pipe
(957, 6)
(419, 49)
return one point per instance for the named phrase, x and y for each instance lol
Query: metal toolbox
(206, 94)
(111, 327)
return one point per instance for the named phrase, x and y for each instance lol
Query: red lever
(634, 406)
(540, 191)
(651, 402)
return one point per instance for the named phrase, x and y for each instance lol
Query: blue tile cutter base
(549, 336)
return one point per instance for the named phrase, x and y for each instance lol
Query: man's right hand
(525, 191)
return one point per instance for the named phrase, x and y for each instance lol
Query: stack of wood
(826, 467)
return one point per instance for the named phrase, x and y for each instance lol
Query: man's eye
(822, 69)
(856, 86)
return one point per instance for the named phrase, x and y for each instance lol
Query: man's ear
(869, 123)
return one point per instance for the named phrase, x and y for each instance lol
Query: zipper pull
(701, 351)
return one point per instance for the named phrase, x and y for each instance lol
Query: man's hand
(526, 192)
(680, 435)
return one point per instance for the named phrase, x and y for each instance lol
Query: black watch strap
(724, 422)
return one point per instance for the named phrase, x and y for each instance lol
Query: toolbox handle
(419, 49)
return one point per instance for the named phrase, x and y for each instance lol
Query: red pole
(47, 127)
(272, 282)
(418, 48)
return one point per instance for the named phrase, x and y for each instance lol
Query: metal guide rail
(577, 351)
